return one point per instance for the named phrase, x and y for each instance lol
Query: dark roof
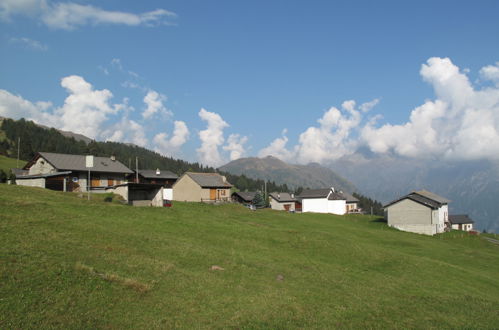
(209, 180)
(460, 219)
(47, 175)
(423, 197)
(322, 193)
(350, 198)
(77, 163)
(163, 174)
(246, 196)
(432, 196)
(282, 197)
(315, 193)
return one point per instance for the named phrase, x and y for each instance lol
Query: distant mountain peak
(273, 169)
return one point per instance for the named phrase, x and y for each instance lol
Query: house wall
(168, 193)
(410, 216)
(275, 205)
(319, 205)
(185, 189)
(39, 182)
(41, 166)
(464, 226)
(337, 207)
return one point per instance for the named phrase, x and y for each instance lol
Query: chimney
(224, 179)
(278, 196)
(332, 189)
(158, 172)
(292, 195)
(113, 158)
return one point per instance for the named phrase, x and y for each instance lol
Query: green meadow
(66, 262)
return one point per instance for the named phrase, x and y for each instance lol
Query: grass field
(7, 163)
(66, 262)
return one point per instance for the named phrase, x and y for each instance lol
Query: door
(110, 182)
(213, 194)
(95, 182)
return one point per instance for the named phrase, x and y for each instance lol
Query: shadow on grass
(379, 219)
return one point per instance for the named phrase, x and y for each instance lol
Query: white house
(461, 222)
(323, 201)
(419, 212)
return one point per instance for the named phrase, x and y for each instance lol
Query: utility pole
(137, 169)
(18, 150)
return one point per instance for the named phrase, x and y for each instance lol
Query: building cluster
(420, 211)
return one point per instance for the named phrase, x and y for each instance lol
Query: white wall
(319, 205)
(337, 207)
(168, 193)
(39, 182)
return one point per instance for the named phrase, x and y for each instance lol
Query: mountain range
(273, 169)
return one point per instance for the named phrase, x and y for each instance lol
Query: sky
(213, 81)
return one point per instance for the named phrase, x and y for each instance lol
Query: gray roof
(315, 193)
(432, 196)
(350, 198)
(322, 193)
(163, 174)
(460, 219)
(247, 196)
(282, 197)
(423, 197)
(77, 163)
(209, 180)
(47, 175)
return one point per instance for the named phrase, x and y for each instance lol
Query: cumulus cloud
(211, 138)
(462, 123)
(277, 148)
(29, 43)
(127, 130)
(170, 146)
(85, 110)
(154, 102)
(490, 72)
(70, 15)
(235, 145)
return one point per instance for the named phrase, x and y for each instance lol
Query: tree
(258, 200)
(3, 176)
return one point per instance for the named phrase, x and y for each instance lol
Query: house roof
(246, 196)
(315, 193)
(350, 198)
(209, 180)
(282, 197)
(37, 176)
(423, 197)
(459, 219)
(163, 174)
(77, 163)
(322, 193)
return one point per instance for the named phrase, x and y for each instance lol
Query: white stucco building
(323, 201)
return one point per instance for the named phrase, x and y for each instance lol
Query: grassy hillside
(7, 163)
(66, 262)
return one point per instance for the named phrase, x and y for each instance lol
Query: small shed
(244, 197)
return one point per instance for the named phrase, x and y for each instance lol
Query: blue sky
(271, 76)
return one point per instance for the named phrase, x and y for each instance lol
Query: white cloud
(85, 110)
(490, 72)
(277, 148)
(170, 147)
(462, 123)
(127, 130)
(16, 107)
(235, 145)
(30, 43)
(70, 15)
(154, 102)
(211, 138)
